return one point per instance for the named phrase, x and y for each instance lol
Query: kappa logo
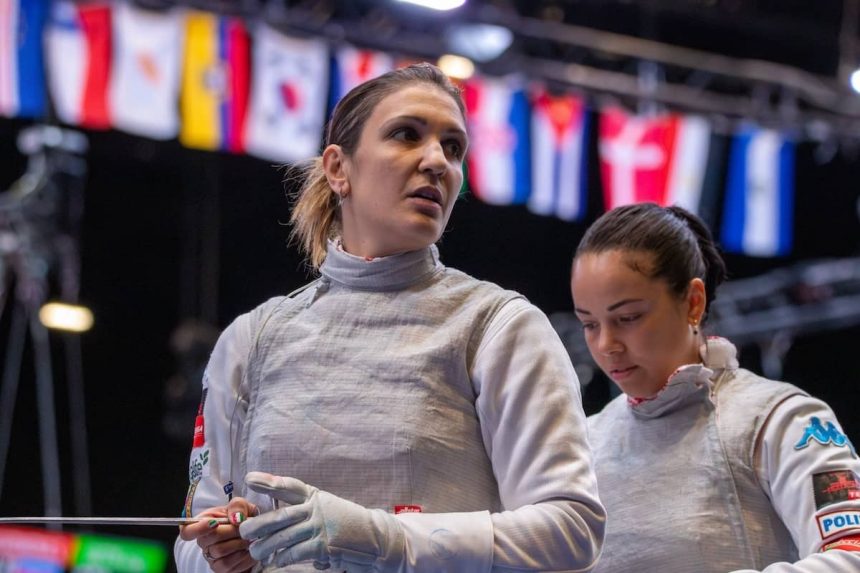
(824, 435)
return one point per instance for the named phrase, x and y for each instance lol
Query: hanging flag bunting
(352, 66)
(659, 159)
(287, 112)
(759, 204)
(145, 76)
(215, 83)
(22, 84)
(78, 47)
(499, 154)
(559, 168)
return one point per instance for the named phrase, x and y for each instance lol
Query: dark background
(170, 233)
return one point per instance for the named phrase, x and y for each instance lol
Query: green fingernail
(213, 523)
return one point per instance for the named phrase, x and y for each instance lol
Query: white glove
(319, 526)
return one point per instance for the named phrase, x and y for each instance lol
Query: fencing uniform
(726, 471)
(403, 385)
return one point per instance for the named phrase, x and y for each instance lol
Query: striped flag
(287, 112)
(22, 84)
(499, 157)
(759, 205)
(659, 159)
(145, 78)
(352, 66)
(78, 46)
(559, 168)
(215, 83)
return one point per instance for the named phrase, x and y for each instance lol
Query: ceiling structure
(782, 63)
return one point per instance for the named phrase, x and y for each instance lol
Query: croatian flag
(499, 155)
(145, 78)
(78, 45)
(759, 206)
(351, 66)
(215, 83)
(559, 168)
(22, 84)
(659, 159)
(287, 112)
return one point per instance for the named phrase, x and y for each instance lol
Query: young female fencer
(403, 415)
(703, 466)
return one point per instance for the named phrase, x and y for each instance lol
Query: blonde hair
(316, 211)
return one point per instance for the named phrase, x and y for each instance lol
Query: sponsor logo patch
(199, 466)
(824, 434)
(835, 522)
(189, 499)
(850, 543)
(408, 509)
(833, 487)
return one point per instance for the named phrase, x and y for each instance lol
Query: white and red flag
(660, 159)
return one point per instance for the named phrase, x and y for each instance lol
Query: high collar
(392, 273)
(690, 383)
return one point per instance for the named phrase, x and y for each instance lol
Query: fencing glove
(314, 525)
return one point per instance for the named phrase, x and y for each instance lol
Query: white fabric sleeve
(534, 431)
(210, 462)
(788, 456)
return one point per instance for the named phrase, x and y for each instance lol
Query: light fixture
(436, 4)
(480, 42)
(456, 67)
(68, 317)
(855, 80)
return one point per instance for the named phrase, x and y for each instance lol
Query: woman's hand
(222, 547)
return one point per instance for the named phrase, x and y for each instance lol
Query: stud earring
(695, 325)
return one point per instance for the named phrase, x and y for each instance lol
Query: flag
(352, 66)
(22, 84)
(215, 81)
(145, 77)
(759, 205)
(78, 47)
(559, 168)
(287, 112)
(498, 160)
(660, 159)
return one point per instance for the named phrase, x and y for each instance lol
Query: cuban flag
(287, 113)
(351, 66)
(759, 204)
(215, 83)
(145, 77)
(499, 156)
(661, 159)
(22, 84)
(78, 47)
(559, 167)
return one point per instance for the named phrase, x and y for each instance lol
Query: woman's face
(637, 330)
(401, 182)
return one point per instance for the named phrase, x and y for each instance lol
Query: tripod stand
(39, 218)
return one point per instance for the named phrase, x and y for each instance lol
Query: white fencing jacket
(398, 382)
(726, 471)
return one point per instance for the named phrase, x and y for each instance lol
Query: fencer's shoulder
(742, 385)
(452, 278)
(616, 407)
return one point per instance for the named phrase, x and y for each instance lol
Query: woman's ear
(335, 168)
(696, 299)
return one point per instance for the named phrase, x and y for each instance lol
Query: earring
(695, 325)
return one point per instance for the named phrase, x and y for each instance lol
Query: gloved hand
(319, 526)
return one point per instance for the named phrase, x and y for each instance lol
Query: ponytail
(315, 217)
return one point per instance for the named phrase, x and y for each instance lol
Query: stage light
(855, 80)
(436, 4)
(456, 67)
(480, 42)
(68, 317)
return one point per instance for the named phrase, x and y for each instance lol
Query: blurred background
(143, 184)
